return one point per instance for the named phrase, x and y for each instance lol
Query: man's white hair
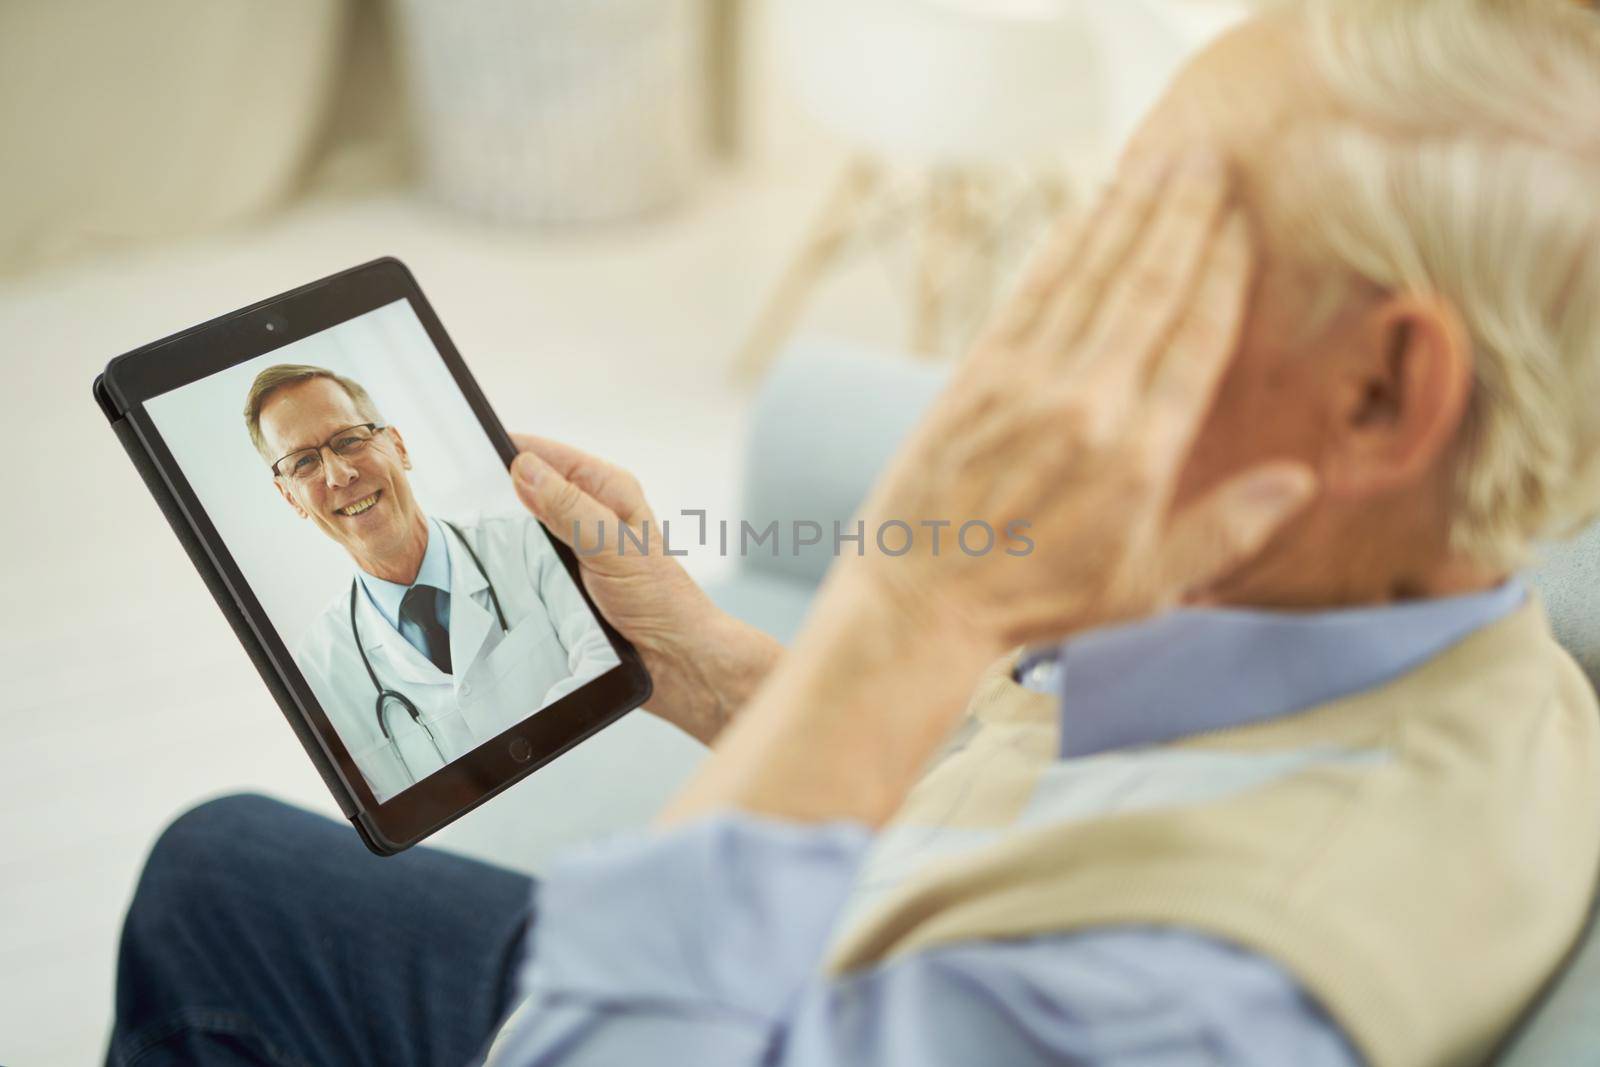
(1463, 161)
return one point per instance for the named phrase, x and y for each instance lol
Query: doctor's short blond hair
(282, 375)
(1462, 160)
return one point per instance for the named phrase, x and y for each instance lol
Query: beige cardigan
(1422, 898)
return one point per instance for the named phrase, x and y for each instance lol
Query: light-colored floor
(128, 697)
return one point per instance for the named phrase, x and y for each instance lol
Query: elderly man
(1309, 782)
(448, 634)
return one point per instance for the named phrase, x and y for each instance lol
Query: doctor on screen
(448, 632)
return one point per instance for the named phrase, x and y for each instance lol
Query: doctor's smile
(362, 506)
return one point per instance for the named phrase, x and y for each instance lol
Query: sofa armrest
(826, 420)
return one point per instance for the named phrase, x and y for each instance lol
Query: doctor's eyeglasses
(302, 465)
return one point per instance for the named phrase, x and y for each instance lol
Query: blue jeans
(263, 934)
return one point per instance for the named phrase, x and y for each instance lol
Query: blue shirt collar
(435, 571)
(1196, 670)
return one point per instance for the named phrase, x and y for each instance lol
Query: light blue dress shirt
(435, 571)
(704, 945)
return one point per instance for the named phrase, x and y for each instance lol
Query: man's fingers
(572, 515)
(1184, 379)
(606, 482)
(1232, 524)
(1152, 292)
(563, 457)
(1046, 272)
(1116, 222)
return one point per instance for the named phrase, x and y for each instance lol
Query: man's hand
(704, 663)
(1074, 414)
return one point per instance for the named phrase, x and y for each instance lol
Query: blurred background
(623, 210)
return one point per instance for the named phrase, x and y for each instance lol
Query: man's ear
(283, 491)
(1403, 395)
(400, 447)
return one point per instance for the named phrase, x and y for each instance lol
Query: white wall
(293, 567)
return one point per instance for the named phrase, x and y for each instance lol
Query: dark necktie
(421, 606)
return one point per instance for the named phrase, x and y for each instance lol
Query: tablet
(341, 484)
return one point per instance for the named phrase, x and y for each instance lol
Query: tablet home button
(520, 750)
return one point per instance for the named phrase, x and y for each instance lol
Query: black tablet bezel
(203, 350)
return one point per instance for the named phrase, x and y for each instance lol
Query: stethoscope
(387, 697)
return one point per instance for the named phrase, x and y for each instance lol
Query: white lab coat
(553, 647)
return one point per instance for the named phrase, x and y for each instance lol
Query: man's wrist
(906, 605)
(738, 657)
(709, 670)
(847, 722)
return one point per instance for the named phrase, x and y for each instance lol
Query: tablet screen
(374, 521)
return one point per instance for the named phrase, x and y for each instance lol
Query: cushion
(1568, 577)
(769, 602)
(828, 417)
